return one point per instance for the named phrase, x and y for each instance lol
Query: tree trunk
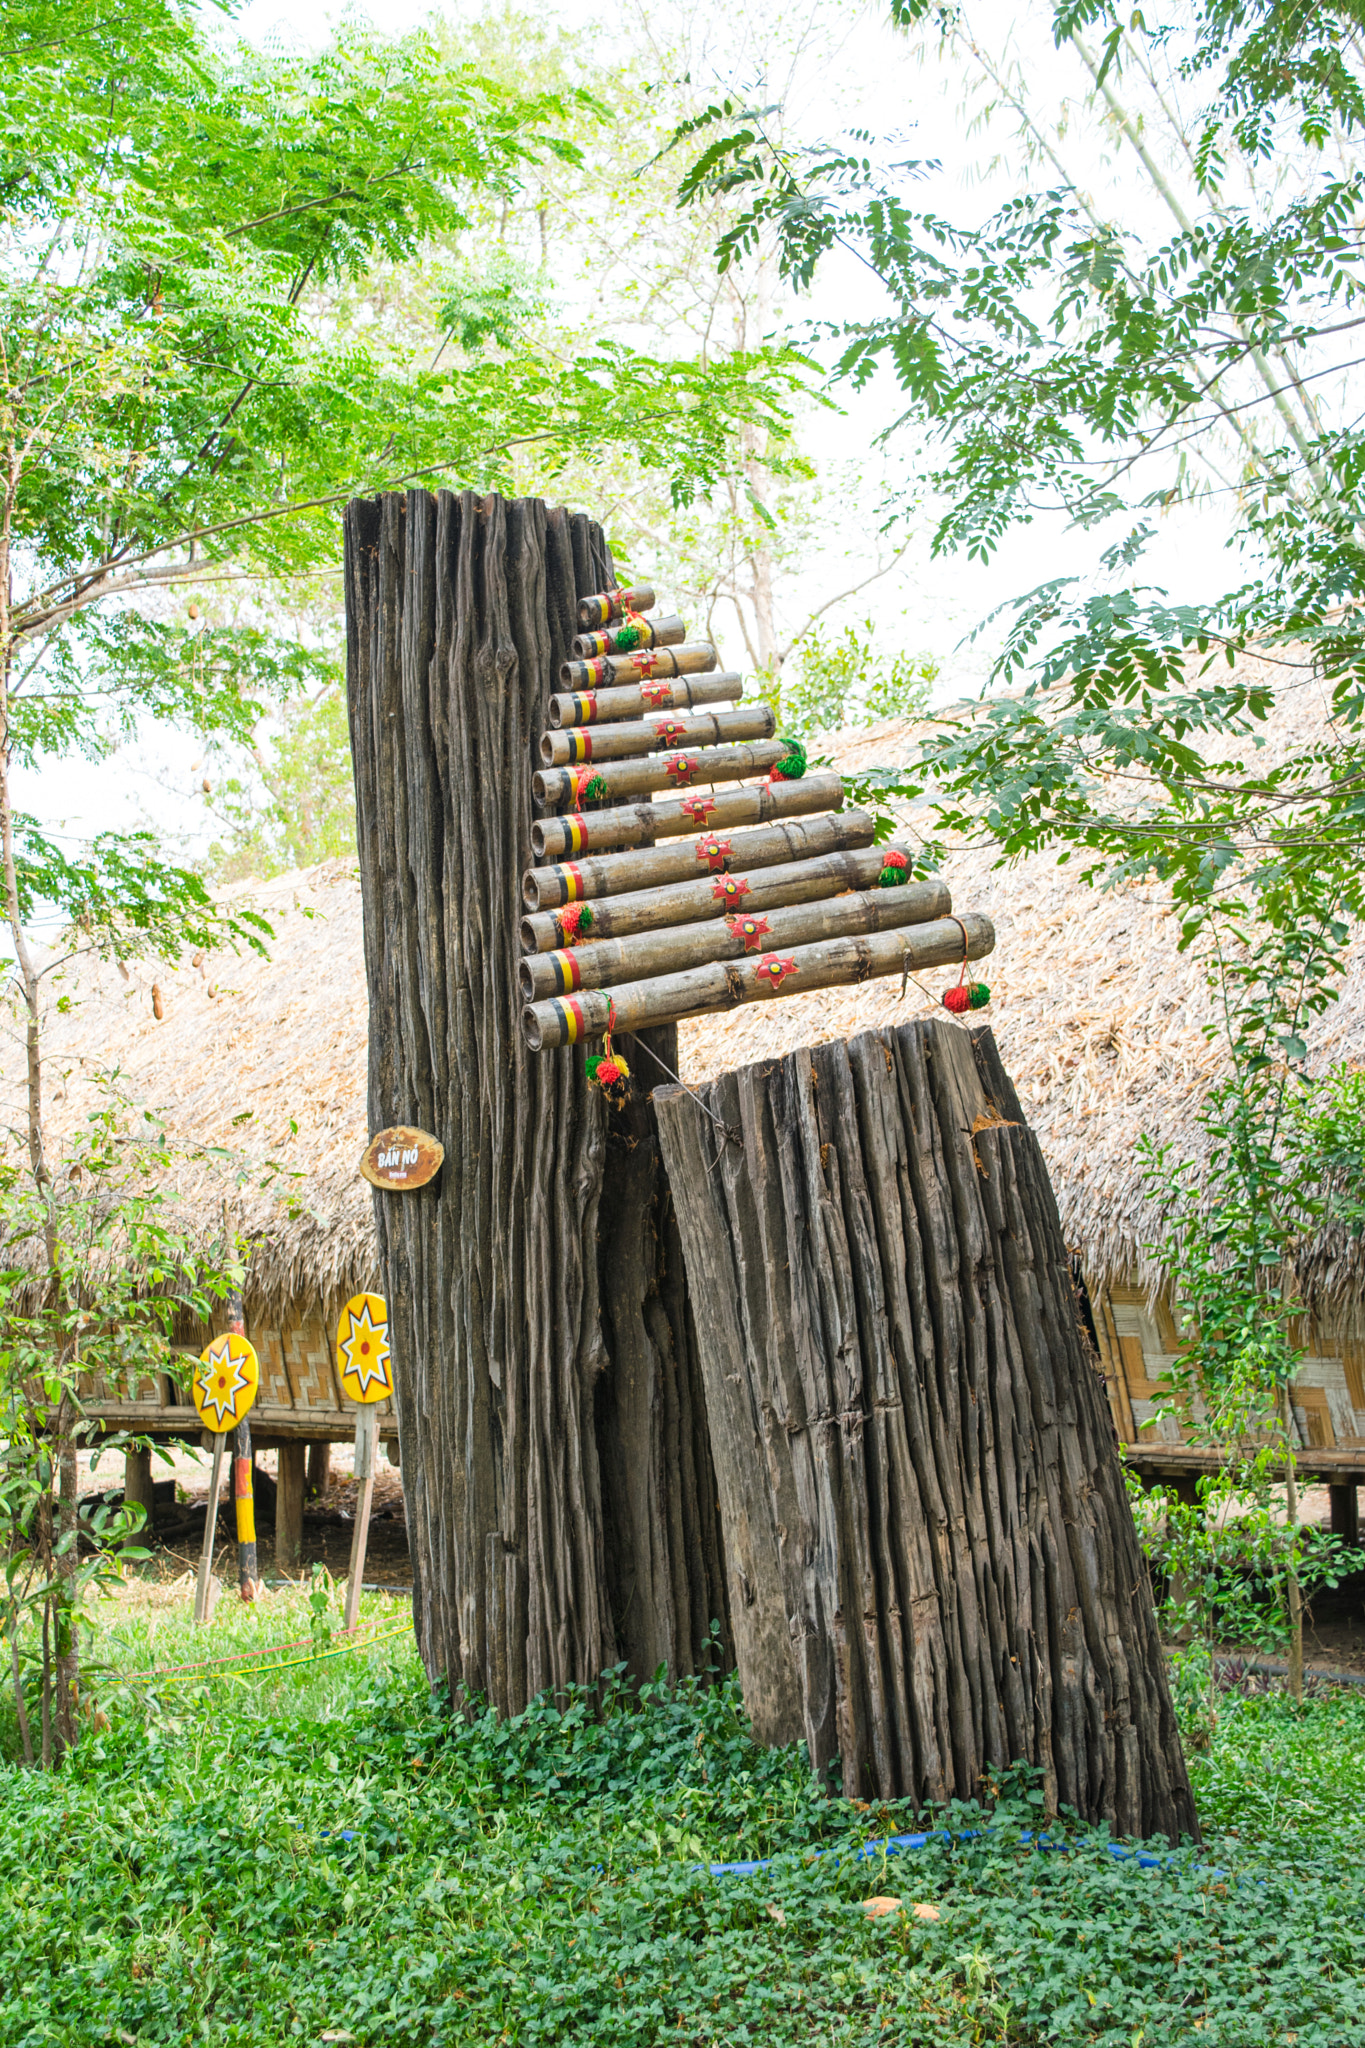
(555, 1466)
(934, 1570)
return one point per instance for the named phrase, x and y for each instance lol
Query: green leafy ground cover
(318, 1852)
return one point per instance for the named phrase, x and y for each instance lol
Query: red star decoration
(681, 768)
(751, 929)
(773, 968)
(698, 807)
(657, 694)
(715, 852)
(671, 730)
(729, 889)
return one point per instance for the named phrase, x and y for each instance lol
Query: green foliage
(853, 679)
(1063, 363)
(300, 805)
(95, 1279)
(267, 1861)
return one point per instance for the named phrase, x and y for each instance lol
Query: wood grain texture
(545, 1378)
(611, 874)
(916, 1464)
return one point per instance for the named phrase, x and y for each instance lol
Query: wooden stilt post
(289, 1505)
(248, 1576)
(366, 1439)
(201, 1590)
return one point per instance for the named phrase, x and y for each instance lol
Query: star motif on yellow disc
(225, 1381)
(363, 1348)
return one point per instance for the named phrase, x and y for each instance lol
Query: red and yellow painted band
(576, 833)
(580, 745)
(585, 706)
(571, 882)
(246, 1519)
(570, 1016)
(568, 974)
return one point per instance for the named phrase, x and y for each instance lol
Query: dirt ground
(328, 1522)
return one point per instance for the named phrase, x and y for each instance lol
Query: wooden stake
(567, 746)
(567, 837)
(695, 901)
(682, 768)
(832, 963)
(602, 707)
(746, 933)
(544, 889)
(201, 1590)
(366, 1441)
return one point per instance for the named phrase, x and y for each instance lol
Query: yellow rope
(261, 1670)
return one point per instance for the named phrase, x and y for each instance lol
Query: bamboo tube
(693, 658)
(634, 700)
(747, 932)
(698, 991)
(646, 735)
(544, 889)
(630, 633)
(611, 604)
(716, 894)
(685, 768)
(556, 838)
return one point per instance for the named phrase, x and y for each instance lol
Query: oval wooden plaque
(401, 1158)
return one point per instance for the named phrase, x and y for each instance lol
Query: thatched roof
(1097, 1013)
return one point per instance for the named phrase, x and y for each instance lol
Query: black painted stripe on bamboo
(628, 738)
(636, 700)
(682, 768)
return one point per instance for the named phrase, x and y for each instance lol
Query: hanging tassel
(606, 1069)
(895, 869)
(574, 924)
(964, 994)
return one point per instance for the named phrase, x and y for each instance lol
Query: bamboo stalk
(693, 658)
(366, 1447)
(744, 933)
(699, 991)
(201, 1590)
(630, 633)
(607, 605)
(646, 735)
(553, 838)
(717, 892)
(683, 768)
(634, 700)
(643, 871)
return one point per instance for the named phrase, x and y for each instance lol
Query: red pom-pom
(957, 998)
(608, 1073)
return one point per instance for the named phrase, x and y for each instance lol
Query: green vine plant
(98, 1279)
(1282, 1174)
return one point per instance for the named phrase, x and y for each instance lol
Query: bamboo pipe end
(540, 788)
(538, 841)
(530, 1025)
(526, 930)
(547, 750)
(526, 981)
(530, 890)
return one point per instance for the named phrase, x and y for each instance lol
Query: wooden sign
(363, 1349)
(225, 1382)
(401, 1158)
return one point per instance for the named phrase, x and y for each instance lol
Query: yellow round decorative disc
(363, 1348)
(225, 1382)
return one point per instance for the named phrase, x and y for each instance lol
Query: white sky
(933, 603)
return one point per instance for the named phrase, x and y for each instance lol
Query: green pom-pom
(595, 789)
(592, 1063)
(895, 871)
(792, 766)
(979, 996)
(626, 638)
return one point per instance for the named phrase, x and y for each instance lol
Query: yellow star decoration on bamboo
(363, 1348)
(225, 1382)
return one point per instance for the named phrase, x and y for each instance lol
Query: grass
(321, 1853)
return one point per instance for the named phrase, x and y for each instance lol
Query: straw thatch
(1098, 1016)
(245, 1047)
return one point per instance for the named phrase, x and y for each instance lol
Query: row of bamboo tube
(713, 889)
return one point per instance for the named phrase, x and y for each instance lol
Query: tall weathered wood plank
(556, 1469)
(915, 1459)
